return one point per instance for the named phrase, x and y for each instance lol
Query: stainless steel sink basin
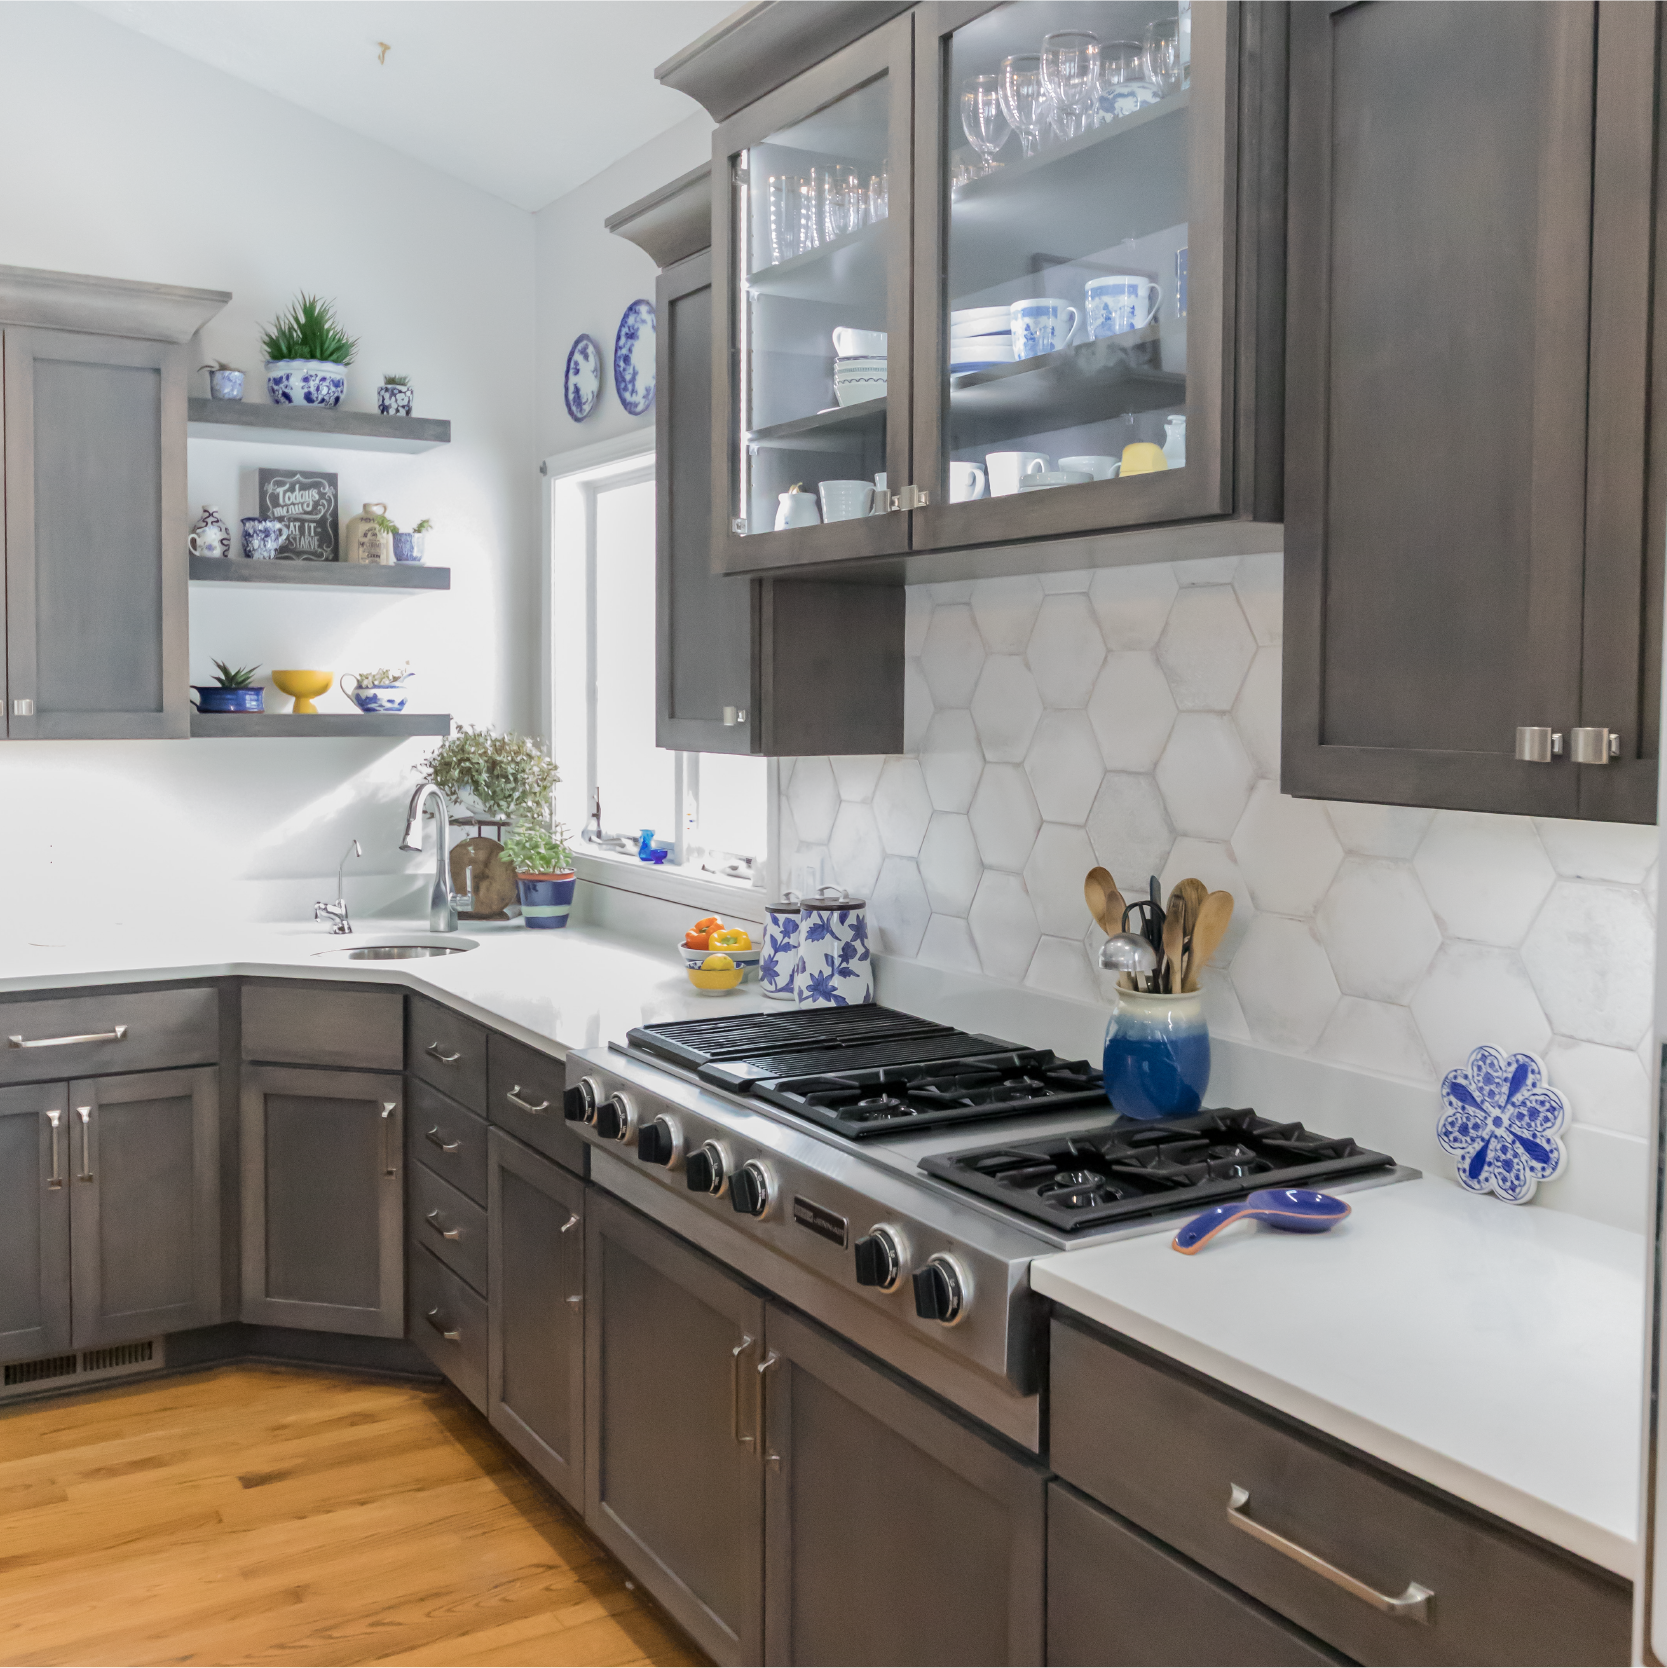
(406, 950)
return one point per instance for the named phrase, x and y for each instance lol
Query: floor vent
(32, 1372)
(114, 1362)
(121, 1355)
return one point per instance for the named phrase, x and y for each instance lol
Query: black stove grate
(1133, 1167)
(694, 1042)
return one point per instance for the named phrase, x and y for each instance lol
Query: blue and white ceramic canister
(1157, 1056)
(835, 968)
(781, 949)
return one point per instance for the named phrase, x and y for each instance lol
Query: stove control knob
(706, 1171)
(941, 1290)
(879, 1258)
(578, 1104)
(660, 1142)
(616, 1119)
(753, 1190)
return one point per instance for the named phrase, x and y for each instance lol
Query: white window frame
(567, 688)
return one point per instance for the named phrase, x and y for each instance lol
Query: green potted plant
(225, 382)
(409, 547)
(502, 778)
(307, 354)
(538, 852)
(234, 690)
(394, 397)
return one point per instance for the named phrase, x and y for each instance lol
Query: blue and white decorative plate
(634, 358)
(582, 380)
(1500, 1121)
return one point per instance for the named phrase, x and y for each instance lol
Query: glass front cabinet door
(811, 245)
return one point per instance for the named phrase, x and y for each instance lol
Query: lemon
(717, 964)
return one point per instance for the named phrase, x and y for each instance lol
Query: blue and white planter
(376, 697)
(546, 899)
(1157, 1054)
(212, 698)
(225, 385)
(305, 382)
(394, 399)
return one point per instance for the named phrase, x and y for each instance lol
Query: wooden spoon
(1174, 951)
(1105, 902)
(1191, 894)
(1214, 914)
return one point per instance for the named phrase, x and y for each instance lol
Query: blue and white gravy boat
(376, 697)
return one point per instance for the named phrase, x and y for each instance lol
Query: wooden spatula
(1214, 914)
(1174, 951)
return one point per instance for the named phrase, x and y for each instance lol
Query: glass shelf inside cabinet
(1064, 299)
(812, 361)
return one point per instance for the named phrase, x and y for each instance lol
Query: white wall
(126, 159)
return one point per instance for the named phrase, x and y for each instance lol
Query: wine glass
(787, 216)
(1163, 54)
(1024, 98)
(1071, 74)
(982, 119)
(855, 194)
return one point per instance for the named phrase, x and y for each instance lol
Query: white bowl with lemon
(711, 937)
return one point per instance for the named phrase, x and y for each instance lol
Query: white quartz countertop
(1493, 1350)
(574, 987)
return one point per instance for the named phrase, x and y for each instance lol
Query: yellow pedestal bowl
(303, 686)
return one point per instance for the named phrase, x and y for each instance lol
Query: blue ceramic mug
(1119, 302)
(1039, 326)
(261, 538)
(1157, 1054)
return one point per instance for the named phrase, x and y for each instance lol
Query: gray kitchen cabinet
(447, 1051)
(448, 1138)
(536, 1351)
(95, 1034)
(144, 1157)
(1322, 1535)
(290, 1022)
(323, 1154)
(673, 1484)
(1476, 495)
(34, 1221)
(1116, 1596)
(524, 1089)
(894, 1530)
(449, 1323)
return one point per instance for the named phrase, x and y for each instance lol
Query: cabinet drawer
(1165, 1452)
(448, 1051)
(77, 1036)
(448, 1139)
(442, 1304)
(323, 1025)
(522, 1079)
(449, 1225)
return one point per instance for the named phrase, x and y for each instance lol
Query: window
(709, 809)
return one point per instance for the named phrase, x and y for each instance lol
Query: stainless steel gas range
(894, 1178)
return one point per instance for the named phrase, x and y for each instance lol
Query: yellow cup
(1140, 457)
(303, 686)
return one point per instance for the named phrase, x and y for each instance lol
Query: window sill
(694, 888)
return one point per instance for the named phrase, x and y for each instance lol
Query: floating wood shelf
(314, 425)
(328, 576)
(384, 726)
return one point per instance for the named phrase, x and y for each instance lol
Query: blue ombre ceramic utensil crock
(1296, 1210)
(1157, 1054)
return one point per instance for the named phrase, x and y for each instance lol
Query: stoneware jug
(364, 542)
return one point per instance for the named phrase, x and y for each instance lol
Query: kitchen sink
(405, 950)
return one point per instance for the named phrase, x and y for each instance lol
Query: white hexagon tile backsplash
(1131, 717)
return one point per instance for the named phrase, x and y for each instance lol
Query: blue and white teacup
(1039, 326)
(261, 538)
(1125, 97)
(835, 968)
(781, 949)
(1121, 301)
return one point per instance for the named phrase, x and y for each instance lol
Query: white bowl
(848, 340)
(854, 393)
(861, 364)
(978, 316)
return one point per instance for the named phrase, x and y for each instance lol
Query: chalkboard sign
(305, 501)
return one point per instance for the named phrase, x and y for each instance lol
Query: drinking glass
(855, 194)
(787, 216)
(982, 118)
(878, 191)
(1024, 98)
(1163, 54)
(1071, 75)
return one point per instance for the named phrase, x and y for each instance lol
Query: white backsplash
(1130, 717)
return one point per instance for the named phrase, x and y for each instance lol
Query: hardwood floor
(268, 1515)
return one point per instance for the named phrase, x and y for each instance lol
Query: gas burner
(1133, 1168)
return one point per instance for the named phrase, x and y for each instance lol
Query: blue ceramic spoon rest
(1297, 1210)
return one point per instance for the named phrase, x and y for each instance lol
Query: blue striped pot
(546, 899)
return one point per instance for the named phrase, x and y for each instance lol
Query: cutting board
(493, 879)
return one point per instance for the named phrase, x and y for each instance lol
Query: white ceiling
(524, 98)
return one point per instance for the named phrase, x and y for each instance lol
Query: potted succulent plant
(234, 690)
(394, 397)
(307, 354)
(501, 778)
(544, 875)
(409, 547)
(225, 382)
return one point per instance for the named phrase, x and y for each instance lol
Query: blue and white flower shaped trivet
(1500, 1120)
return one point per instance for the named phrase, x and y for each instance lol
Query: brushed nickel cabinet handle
(1592, 744)
(433, 1319)
(764, 1366)
(442, 1056)
(570, 1223)
(514, 1099)
(439, 1141)
(735, 1390)
(388, 1107)
(55, 1182)
(116, 1033)
(1413, 1605)
(85, 1114)
(1538, 743)
(433, 1220)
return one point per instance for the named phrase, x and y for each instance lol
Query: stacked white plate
(859, 378)
(980, 337)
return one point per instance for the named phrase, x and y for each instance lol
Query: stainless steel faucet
(442, 902)
(337, 911)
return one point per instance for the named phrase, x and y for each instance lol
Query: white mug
(796, 509)
(1007, 469)
(1095, 468)
(846, 500)
(882, 497)
(1039, 326)
(966, 482)
(850, 343)
(208, 541)
(1121, 301)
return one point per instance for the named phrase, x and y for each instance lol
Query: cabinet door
(322, 1200)
(95, 536)
(536, 1359)
(811, 236)
(1116, 1595)
(1436, 400)
(673, 1482)
(34, 1221)
(145, 1204)
(895, 1531)
(1075, 263)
